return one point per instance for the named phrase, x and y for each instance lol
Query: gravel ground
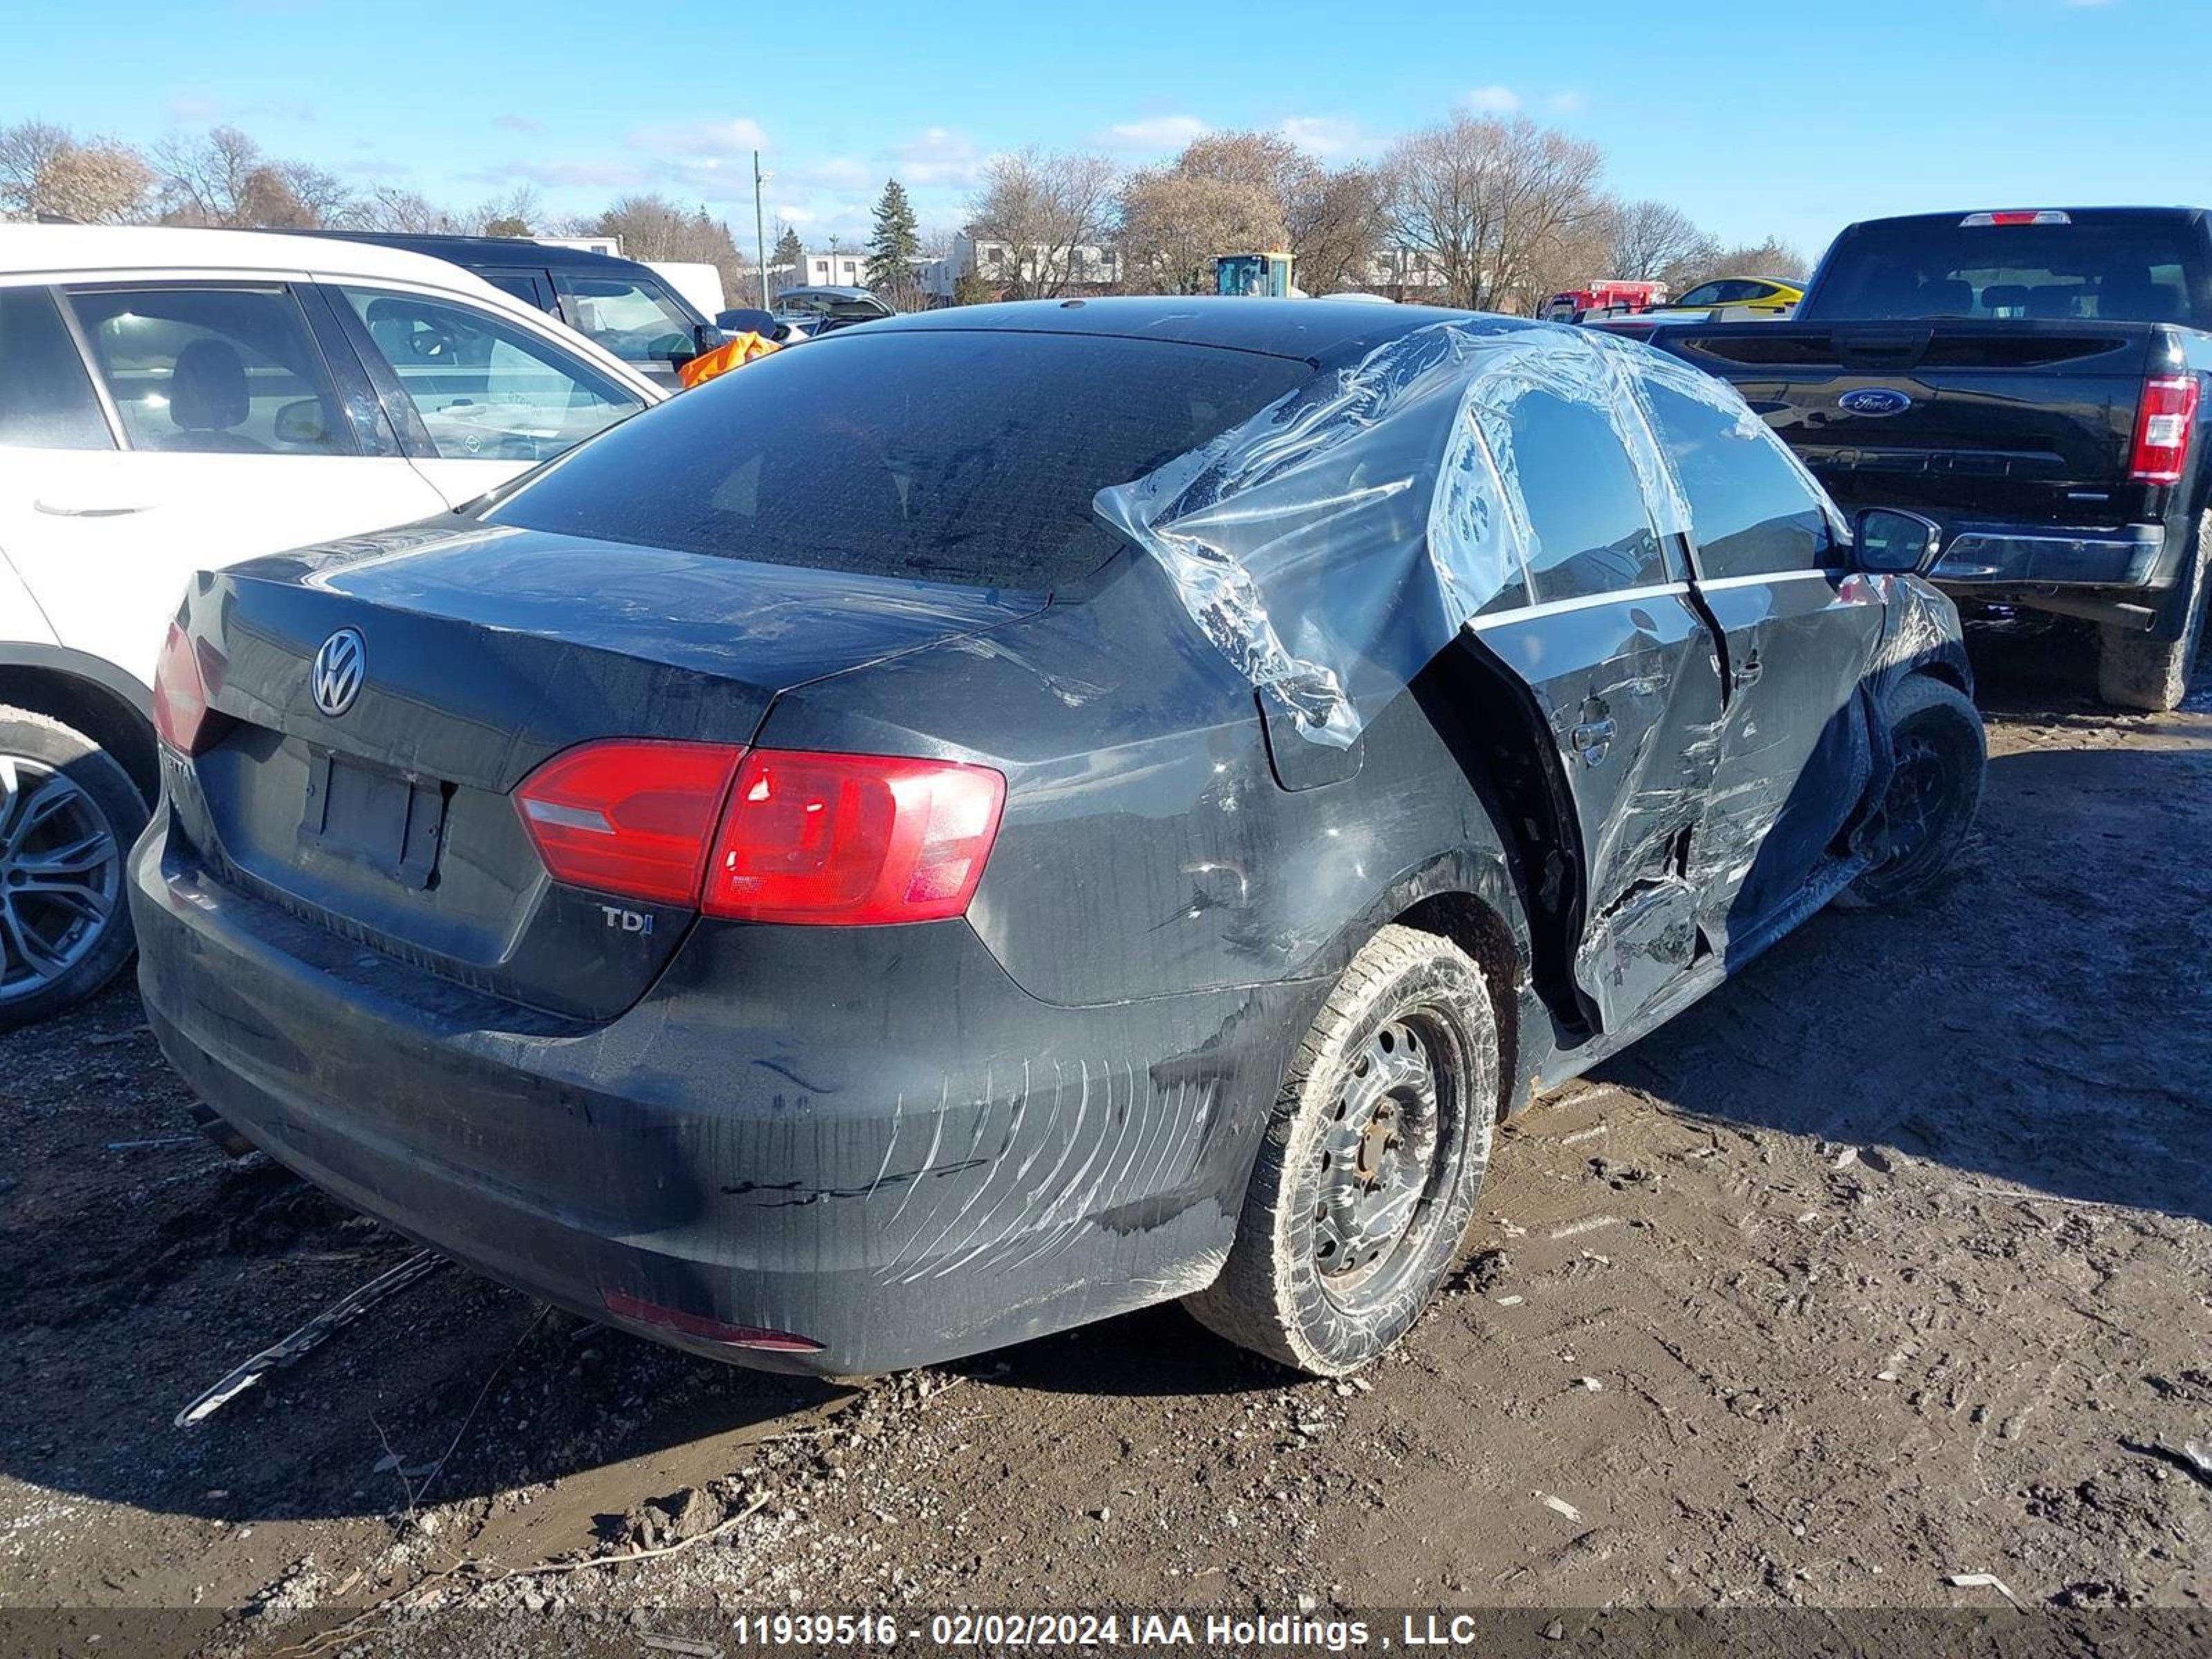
(1888, 1264)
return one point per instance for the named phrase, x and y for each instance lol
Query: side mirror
(299, 424)
(1889, 542)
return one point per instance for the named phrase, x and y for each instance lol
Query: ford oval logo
(340, 667)
(1875, 400)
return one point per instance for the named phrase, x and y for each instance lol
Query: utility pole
(760, 235)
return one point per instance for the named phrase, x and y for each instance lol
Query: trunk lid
(2029, 421)
(485, 653)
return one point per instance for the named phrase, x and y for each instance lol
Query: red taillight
(2017, 216)
(2163, 427)
(181, 677)
(629, 815)
(853, 840)
(637, 1310)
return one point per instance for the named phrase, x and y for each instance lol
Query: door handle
(70, 510)
(1592, 739)
(1748, 671)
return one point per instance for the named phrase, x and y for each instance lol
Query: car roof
(42, 248)
(1315, 331)
(485, 250)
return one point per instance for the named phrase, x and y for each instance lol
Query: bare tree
(1490, 202)
(1336, 227)
(1771, 257)
(206, 180)
(1173, 224)
(45, 170)
(511, 215)
(1046, 209)
(1656, 241)
(653, 228)
(407, 211)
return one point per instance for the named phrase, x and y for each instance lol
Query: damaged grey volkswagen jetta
(1004, 816)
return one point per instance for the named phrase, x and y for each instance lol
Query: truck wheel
(67, 816)
(1371, 1165)
(1941, 754)
(2136, 672)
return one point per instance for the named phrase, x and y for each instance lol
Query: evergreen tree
(895, 242)
(786, 261)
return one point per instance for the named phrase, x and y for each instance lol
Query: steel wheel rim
(1919, 798)
(61, 874)
(1378, 1158)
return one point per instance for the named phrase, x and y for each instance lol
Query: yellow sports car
(1766, 294)
(1760, 296)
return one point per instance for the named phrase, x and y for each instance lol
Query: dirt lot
(1892, 1262)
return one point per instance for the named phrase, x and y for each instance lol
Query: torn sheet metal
(1335, 544)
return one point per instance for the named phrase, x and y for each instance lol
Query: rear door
(1798, 630)
(229, 437)
(1625, 673)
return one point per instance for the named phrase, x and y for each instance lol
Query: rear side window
(46, 399)
(217, 371)
(966, 456)
(2145, 270)
(1585, 506)
(1750, 512)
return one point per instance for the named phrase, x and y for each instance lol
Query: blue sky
(1757, 118)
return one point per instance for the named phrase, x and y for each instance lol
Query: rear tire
(2136, 672)
(1941, 754)
(68, 815)
(1371, 1163)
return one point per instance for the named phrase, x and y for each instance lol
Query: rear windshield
(2138, 271)
(961, 456)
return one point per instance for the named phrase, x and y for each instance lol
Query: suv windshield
(630, 318)
(2139, 270)
(966, 456)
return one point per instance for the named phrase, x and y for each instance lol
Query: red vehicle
(1612, 298)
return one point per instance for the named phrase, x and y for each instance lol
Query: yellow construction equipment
(1265, 274)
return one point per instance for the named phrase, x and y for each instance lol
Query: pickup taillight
(2164, 424)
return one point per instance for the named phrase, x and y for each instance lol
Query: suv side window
(46, 399)
(1585, 506)
(214, 370)
(1751, 513)
(635, 320)
(486, 388)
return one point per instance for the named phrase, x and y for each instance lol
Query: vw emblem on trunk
(340, 667)
(1875, 400)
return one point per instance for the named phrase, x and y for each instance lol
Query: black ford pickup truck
(2035, 382)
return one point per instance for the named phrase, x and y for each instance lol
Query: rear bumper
(1978, 558)
(871, 1138)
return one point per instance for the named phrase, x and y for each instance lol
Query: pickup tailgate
(2032, 421)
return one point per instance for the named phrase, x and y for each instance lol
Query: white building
(1002, 262)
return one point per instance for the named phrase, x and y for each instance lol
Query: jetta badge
(340, 667)
(1875, 400)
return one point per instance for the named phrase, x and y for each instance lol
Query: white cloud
(939, 156)
(1156, 132)
(1493, 100)
(738, 136)
(1326, 136)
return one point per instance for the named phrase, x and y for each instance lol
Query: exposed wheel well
(1480, 932)
(1949, 673)
(93, 709)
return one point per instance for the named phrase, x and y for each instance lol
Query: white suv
(175, 400)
